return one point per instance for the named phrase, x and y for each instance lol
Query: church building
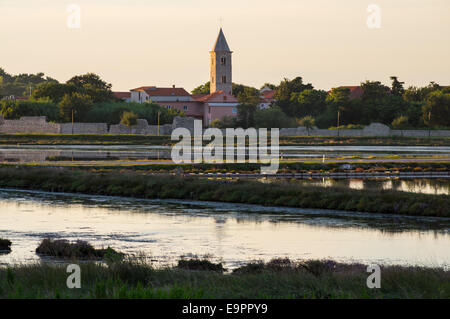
(220, 101)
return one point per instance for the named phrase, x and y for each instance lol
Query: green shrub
(128, 118)
(5, 244)
(199, 264)
(80, 249)
(401, 122)
(15, 109)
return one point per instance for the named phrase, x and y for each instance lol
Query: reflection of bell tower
(221, 79)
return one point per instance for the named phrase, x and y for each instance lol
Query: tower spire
(221, 71)
(221, 44)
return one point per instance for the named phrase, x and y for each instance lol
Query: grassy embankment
(48, 139)
(134, 278)
(142, 185)
(297, 167)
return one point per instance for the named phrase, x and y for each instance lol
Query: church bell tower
(221, 74)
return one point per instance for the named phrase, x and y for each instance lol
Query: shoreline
(144, 185)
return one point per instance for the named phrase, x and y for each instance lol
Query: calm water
(26, 153)
(227, 232)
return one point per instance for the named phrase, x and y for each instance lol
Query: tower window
(223, 60)
(224, 79)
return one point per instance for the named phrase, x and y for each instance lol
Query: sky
(131, 43)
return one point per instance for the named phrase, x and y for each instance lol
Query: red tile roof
(355, 91)
(215, 95)
(268, 94)
(207, 97)
(155, 91)
(143, 88)
(122, 95)
(198, 96)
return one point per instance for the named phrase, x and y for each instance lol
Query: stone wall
(141, 128)
(186, 122)
(40, 125)
(374, 129)
(28, 124)
(84, 128)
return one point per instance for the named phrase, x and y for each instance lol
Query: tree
(308, 122)
(414, 113)
(128, 118)
(248, 95)
(373, 91)
(339, 96)
(338, 101)
(269, 85)
(21, 84)
(415, 94)
(238, 89)
(225, 122)
(284, 93)
(53, 91)
(397, 86)
(377, 105)
(386, 110)
(92, 85)
(241, 89)
(245, 116)
(111, 112)
(309, 101)
(15, 109)
(273, 117)
(89, 84)
(202, 89)
(436, 111)
(77, 104)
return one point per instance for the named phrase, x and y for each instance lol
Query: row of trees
(21, 84)
(87, 98)
(413, 107)
(83, 98)
(107, 112)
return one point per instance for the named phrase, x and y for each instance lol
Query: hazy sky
(163, 42)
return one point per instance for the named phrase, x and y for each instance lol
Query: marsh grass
(94, 139)
(199, 264)
(141, 185)
(280, 278)
(5, 245)
(61, 248)
(292, 167)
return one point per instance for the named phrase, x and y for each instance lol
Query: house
(217, 105)
(266, 98)
(15, 98)
(125, 96)
(220, 101)
(157, 94)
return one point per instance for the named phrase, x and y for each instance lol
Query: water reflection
(229, 232)
(433, 186)
(27, 153)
